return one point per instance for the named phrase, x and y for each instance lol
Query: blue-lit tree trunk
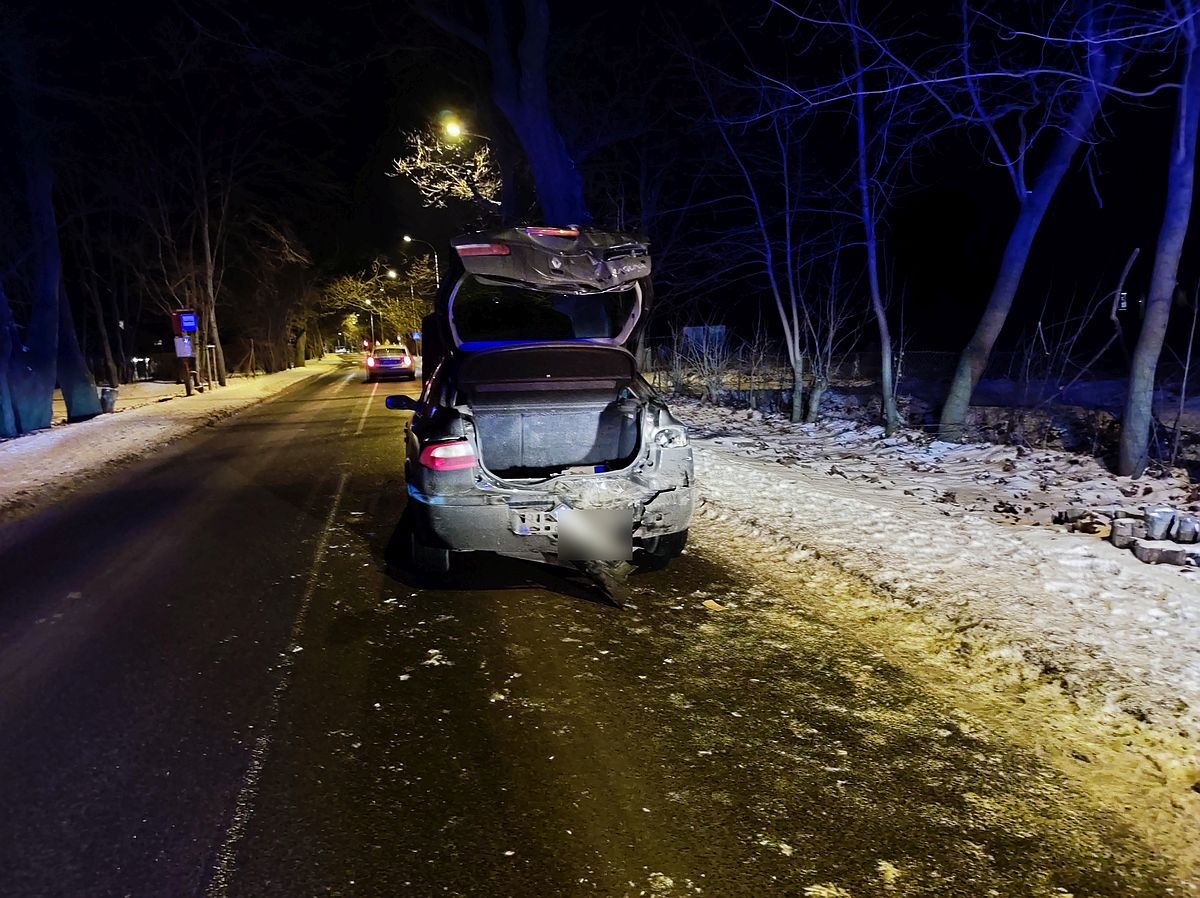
(74, 379)
(1033, 206)
(8, 339)
(520, 91)
(33, 358)
(1139, 404)
(868, 213)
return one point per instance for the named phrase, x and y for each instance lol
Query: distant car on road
(390, 361)
(536, 436)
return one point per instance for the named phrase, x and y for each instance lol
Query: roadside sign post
(183, 322)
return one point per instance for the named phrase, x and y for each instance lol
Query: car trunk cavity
(544, 410)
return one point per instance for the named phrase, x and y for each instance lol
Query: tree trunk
(520, 91)
(891, 417)
(74, 379)
(798, 392)
(110, 363)
(218, 349)
(8, 338)
(978, 350)
(92, 287)
(815, 395)
(1139, 404)
(31, 372)
(301, 347)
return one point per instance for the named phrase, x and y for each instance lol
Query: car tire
(657, 553)
(370, 378)
(428, 560)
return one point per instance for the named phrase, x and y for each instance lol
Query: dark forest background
(819, 178)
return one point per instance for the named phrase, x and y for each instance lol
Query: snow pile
(974, 583)
(34, 466)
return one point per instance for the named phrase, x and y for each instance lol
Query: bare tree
(444, 171)
(1139, 405)
(828, 316)
(1100, 63)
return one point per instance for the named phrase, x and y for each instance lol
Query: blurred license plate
(595, 534)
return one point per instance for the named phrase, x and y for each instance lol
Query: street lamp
(453, 129)
(391, 272)
(371, 312)
(437, 274)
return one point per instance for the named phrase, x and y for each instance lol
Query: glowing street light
(453, 129)
(437, 274)
(391, 272)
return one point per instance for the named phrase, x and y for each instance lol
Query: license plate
(595, 534)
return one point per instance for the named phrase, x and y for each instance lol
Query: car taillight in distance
(453, 456)
(370, 361)
(405, 361)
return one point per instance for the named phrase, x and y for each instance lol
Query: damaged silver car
(535, 435)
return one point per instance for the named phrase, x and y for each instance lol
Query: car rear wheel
(425, 559)
(656, 553)
(428, 559)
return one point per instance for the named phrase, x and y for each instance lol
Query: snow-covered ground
(38, 465)
(1087, 652)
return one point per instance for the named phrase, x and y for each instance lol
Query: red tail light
(405, 361)
(483, 249)
(455, 456)
(371, 361)
(551, 232)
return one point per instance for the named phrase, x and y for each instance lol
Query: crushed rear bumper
(521, 522)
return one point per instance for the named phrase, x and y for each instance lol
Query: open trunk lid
(565, 260)
(538, 285)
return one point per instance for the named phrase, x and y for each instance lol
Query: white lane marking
(243, 808)
(363, 420)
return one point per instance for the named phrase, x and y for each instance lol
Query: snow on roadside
(970, 522)
(971, 575)
(68, 454)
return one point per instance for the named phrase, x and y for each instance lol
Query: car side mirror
(402, 404)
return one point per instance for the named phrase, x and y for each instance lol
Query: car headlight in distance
(670, 438)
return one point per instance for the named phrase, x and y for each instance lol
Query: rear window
(500, 313)
(391, 352)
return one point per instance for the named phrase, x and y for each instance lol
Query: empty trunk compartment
(522, 435)
(539, 411)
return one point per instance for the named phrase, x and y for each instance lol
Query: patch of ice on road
(435, 659)
(660, 882)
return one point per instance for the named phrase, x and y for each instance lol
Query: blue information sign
(187, 321)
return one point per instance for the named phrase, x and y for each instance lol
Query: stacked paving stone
(1158, 535)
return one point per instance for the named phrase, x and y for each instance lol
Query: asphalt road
(211, 685)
